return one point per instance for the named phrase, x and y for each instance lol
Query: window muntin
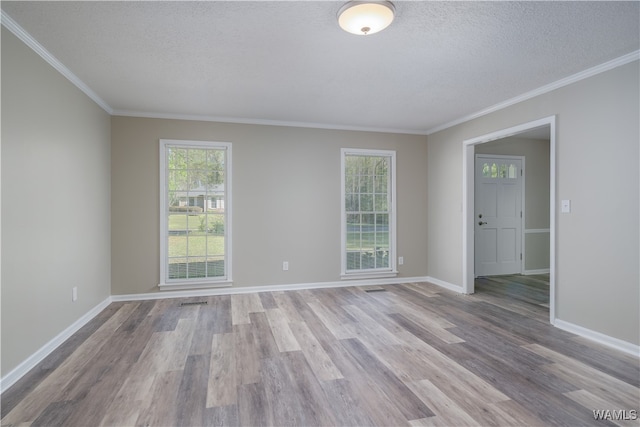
(368, 211)
(195, 205)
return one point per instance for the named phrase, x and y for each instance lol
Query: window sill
(174, 286)
(368, 275)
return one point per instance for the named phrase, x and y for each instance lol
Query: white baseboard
(446, 285)
(267, 288)
(599, 337)
(37, 357)
(538, 271)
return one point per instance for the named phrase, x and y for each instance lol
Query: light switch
(566, 206)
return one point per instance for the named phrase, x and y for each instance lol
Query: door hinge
(520, 256)
(520, 214)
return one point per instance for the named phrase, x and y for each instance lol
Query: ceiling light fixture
(365, 17)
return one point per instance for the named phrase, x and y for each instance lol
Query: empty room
(320, 213)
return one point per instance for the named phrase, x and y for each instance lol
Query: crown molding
(590, 72)
(263, 122)
(27, 39)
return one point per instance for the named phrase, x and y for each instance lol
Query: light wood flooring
(411, 354)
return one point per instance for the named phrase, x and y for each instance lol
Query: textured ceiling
(288, 62)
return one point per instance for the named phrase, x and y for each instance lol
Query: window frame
(391, 270)
(200, 282)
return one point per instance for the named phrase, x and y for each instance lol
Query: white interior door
(498, 215)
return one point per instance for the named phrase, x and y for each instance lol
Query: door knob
(482, 222)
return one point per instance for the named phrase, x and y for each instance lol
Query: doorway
(468, 207)
(498, 214)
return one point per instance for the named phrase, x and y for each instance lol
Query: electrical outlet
(400, 260)
(74, 293)
(285, 265)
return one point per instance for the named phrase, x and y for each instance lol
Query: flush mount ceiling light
(363, 18)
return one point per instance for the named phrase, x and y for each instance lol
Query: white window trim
(391, 271)
(196, 283)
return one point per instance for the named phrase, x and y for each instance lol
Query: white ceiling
(289, 62)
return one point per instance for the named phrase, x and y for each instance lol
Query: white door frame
(468, 203)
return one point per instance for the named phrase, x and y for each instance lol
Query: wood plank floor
(411, 354)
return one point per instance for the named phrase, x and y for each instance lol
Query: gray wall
(286, 200)
(55, 202)
(536, 153)
(597, 244)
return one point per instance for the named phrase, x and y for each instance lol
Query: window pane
(351, 165)
(382, 231)
(366, 184)
(215, 266)
(381, 184)
(366, 203)
(381, 167)
(196, 158)
(349, 184)
(178, 180)
(353, 260)
(177, 158)
(367, 260)
(177, 246)
(382, 241)
(353, 240)
(177, 224)
(215, 224)
(352, 203)
(353, 222)
(215, 159)
(177, 268)
(503, 171)
(382, 259)
(368, 240)
(382, 221)
(215, 245)
(381, 203)
(196, 268)
(197, 245)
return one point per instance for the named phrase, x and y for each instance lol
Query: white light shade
(362, 18)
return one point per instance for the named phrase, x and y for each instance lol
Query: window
(195, 205)
(368, 213)
(509, 172)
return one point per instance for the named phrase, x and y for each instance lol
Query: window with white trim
(368, 212)
(195, 205)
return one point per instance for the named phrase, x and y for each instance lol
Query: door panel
(509, 243)
(490, 254)
(498, 215)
